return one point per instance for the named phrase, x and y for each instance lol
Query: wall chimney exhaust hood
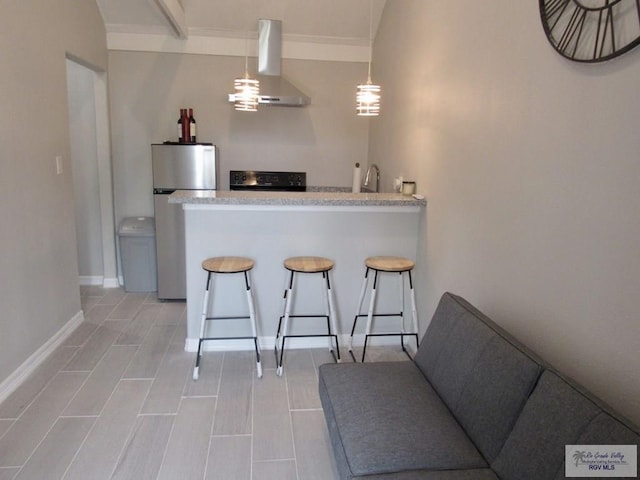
(274, 89)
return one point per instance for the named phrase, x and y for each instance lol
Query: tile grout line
(131, 433)
(213, 416)
(293, 438)
(75, 455)
(53, 424)
(173, 426)
(215, 411)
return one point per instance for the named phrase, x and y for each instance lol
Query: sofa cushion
(475, 474)
(606, 429)
(482, 373)
(385, 417)
(558, 413)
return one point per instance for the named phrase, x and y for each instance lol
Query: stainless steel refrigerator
(177, 167)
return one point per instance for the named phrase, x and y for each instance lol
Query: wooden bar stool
(398, 265)
(228, 265)
(307, 265)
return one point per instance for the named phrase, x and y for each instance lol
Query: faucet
(366, 178)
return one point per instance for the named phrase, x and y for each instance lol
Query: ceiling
(185, 25)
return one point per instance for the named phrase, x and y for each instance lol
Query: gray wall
(147, 90)
(38, 259)
(531, 165)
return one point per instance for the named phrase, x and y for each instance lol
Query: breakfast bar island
(271, 226)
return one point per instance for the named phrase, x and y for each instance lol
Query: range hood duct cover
(275, 89)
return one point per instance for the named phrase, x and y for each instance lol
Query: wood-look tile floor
(117, 401)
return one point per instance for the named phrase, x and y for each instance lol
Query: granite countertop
(318, 196)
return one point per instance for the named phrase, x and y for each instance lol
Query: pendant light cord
(370, 39)
(368, 94)
(246, 55)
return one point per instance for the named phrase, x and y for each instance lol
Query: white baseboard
(105, 282)
(110, 282)
(268, 343)
(13, 381)
(90, 279)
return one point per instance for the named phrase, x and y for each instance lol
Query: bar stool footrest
(280, 355)
(380, 315)
(389, 334)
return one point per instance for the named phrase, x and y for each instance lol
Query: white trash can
(138, 254)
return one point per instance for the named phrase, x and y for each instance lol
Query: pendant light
(247, 90)
(368, 94)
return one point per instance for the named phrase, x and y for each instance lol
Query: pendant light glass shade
(247, 94)
(368, 94)
(368, 100)
(247, 90)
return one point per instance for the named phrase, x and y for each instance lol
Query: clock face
(591, 30)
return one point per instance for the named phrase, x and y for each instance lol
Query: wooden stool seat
(390, 264)
(308, 264)
(227, 264)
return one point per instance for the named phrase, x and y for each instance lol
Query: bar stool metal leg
(402, 319)
(205, 307)
(414, 309)
(332, 317)
(285, 328)
(363, 290)
(401, 291)
(370, 313)
(327, 308)
(252, 317)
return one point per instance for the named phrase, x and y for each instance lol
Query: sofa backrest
(483, 375)
(558, 413)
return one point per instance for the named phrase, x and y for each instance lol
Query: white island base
(270, 233)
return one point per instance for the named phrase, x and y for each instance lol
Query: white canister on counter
(408, 188)
(355, 188)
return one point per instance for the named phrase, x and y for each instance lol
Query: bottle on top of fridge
(192, 127)
(180, 130)
(186, 135)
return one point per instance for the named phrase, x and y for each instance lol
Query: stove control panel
(274, 181)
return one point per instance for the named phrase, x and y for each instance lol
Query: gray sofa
(474, 404)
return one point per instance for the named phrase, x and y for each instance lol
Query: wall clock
(591, 30)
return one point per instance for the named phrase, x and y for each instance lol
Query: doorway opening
(91, 172)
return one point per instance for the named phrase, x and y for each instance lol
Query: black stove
(268, 181)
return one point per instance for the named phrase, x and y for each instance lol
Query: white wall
(38, 262)
(531, 165)
(147, 90)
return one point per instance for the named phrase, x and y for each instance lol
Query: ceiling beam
(197, 44)
(175, 15)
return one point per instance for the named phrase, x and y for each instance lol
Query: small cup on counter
(408, 188)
